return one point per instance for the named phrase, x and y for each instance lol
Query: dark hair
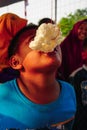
(15, 42)
(45, 20)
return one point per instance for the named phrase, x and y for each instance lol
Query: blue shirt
(17, 111)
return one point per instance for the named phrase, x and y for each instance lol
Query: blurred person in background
(77, 78)
(45, 20)
(71, 48)
(10, 24)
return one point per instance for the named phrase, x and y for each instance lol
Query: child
(36, 100)
(76, 79)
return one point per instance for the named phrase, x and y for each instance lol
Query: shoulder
(75, 72)
(6, 88)
(65, 85)
(67, 89)
(68, 96)
(78, 75)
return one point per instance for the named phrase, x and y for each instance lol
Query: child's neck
(39, 88)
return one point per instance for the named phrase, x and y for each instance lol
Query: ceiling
(8, 2)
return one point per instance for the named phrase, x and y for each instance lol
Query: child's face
(82, 31)
(37, 60)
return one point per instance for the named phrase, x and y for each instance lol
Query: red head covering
(84, 52)
(10, 24)
(71, 51)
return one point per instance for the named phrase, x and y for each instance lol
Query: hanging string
(55, 10)
(25, 7)
(51, 9)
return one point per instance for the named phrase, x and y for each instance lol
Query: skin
(37, 73)
(82, 31)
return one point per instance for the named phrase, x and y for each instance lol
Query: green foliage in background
(66, 23)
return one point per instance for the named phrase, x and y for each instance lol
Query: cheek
(35, 60)
(79, 35)
(31, 60)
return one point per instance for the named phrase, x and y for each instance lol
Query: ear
(15, 62)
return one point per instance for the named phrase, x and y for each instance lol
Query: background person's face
(82, 31)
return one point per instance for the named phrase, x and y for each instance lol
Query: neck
(38, 87)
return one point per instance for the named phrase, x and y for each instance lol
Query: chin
(53, 65)
(81, 38)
